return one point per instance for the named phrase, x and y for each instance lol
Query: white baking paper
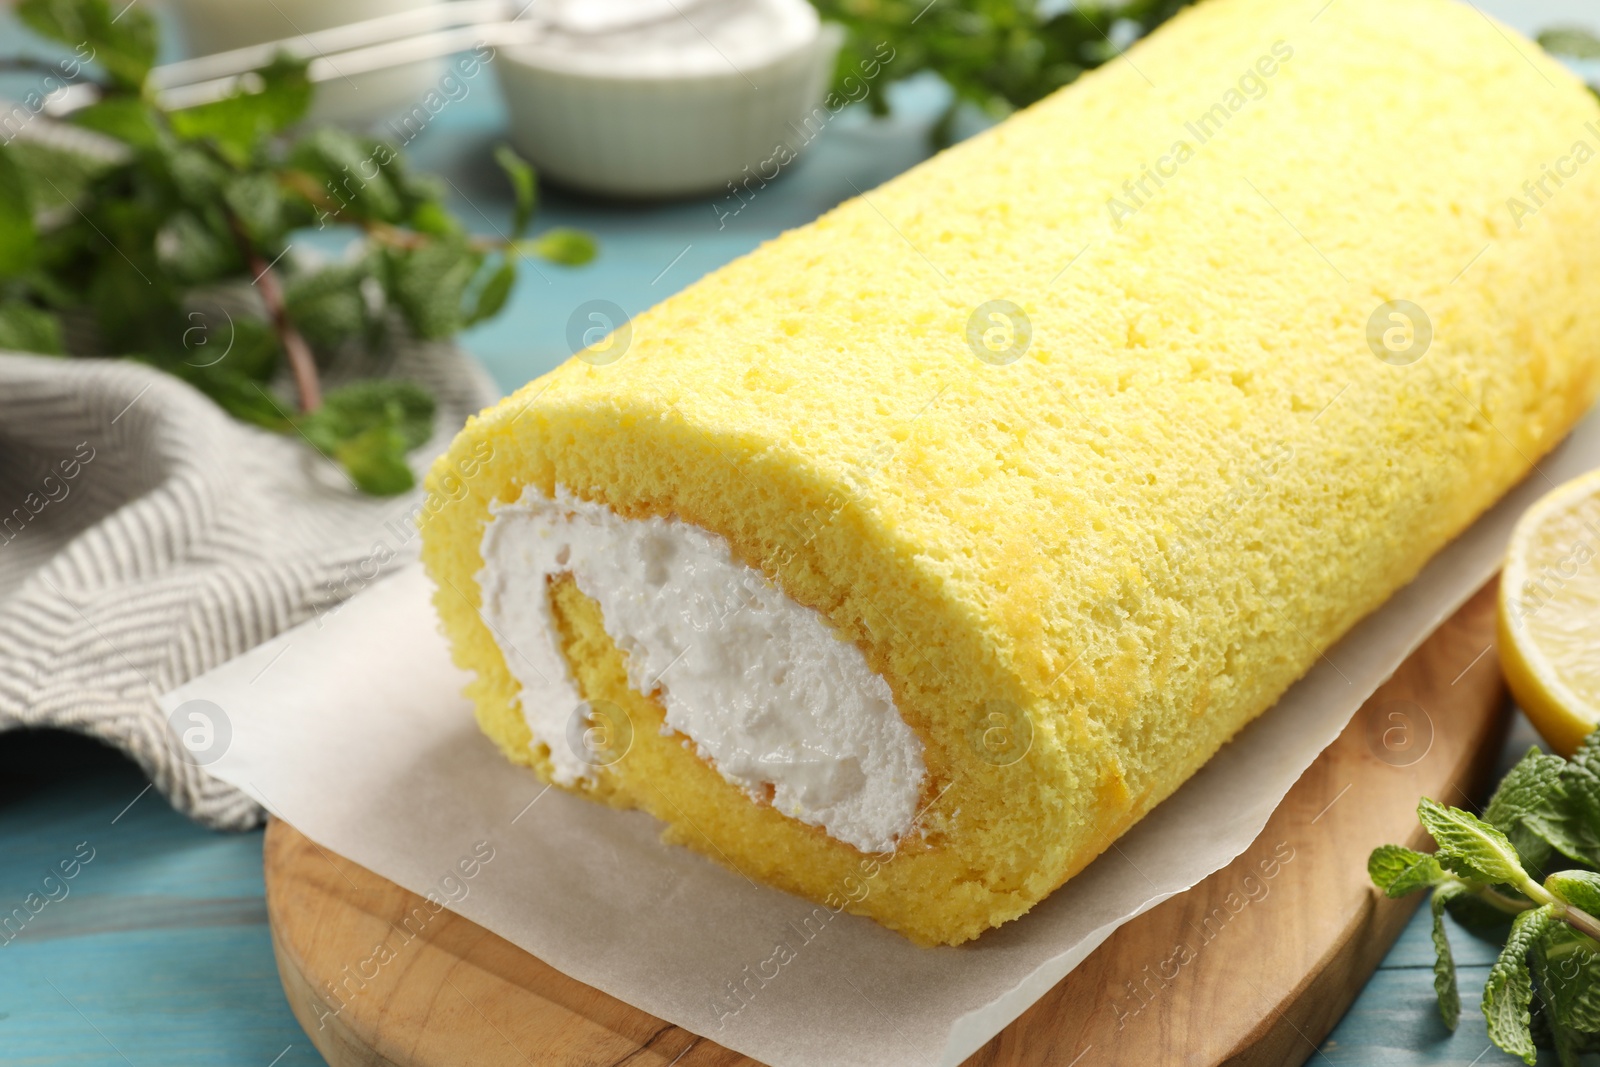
(354, 730)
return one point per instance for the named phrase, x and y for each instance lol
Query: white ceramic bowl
(675, 108)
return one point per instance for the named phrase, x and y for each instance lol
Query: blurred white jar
(643, 98)
(212, 26)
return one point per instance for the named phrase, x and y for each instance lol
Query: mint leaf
(1562, 1040)
(122, 41)
(245, 347)
(1581, 780)
(376, 460)
(368, 428)
(432, 217)
(492, 297)
(53, 176)
(1574, 41)
(192, 251)
(521, 176)
(1444, 964)
(418, 191)
(195, 176)
(25, 328)
(1569, 979)
(238, 124)
(1398, 871)
(352, 173)
(569, 248)
(1581, 889)
(328, 305)
(1509, 991)
(352, 410)
(125, 118)
(256, 200)
(132, 300)
(1533, 809)
(1523, 789)
(428, 284)
(995, 54)
(18, 238)
(1469, 846)
(238, 394)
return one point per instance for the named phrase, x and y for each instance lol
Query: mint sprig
(997, 55)
(1545, 986)
(126, 242)
(1001, 55)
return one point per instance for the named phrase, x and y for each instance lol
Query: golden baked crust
(1128, 542)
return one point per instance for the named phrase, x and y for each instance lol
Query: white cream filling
(759, 683)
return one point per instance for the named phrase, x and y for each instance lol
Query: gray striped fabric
(146, 537)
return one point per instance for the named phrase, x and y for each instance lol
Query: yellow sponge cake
(907, 561)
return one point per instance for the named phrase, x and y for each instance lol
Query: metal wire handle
(358, 48)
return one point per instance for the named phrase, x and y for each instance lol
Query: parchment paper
(353, 729)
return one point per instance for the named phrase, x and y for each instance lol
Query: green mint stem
(1534, 891)
(1582, 922)
(1503, 902)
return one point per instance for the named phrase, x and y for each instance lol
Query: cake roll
(909, 560)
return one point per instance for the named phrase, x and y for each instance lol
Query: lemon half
(1550, 613)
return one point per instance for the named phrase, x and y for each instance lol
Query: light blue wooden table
(159, 956)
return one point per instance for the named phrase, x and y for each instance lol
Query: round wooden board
(1252, 966)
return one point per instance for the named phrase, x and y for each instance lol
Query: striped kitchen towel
(146, 537)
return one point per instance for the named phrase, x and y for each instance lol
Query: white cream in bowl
(645, 98)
